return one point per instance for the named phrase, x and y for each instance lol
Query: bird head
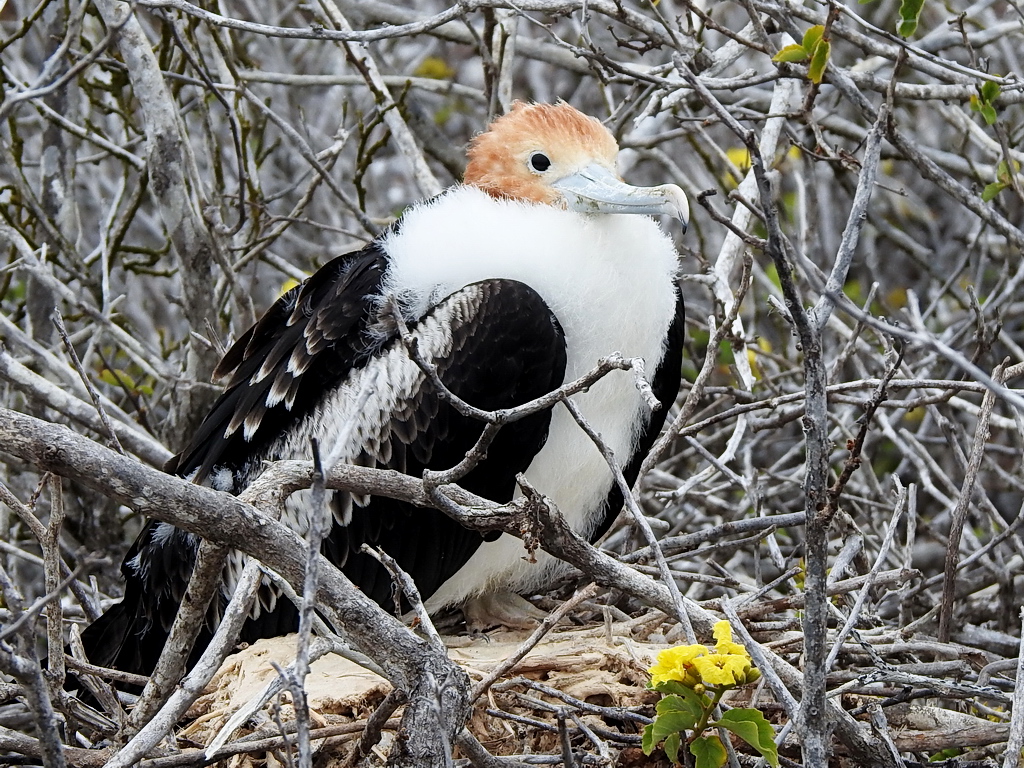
(555, 155)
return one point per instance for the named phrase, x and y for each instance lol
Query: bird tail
(120, 640)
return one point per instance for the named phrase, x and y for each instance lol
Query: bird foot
(501, 609)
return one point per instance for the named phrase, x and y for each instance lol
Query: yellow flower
(696, 665)
(722, 668)
(732, 649)
(674, 663)
(722, 631)
(723, 635)
(739, 156)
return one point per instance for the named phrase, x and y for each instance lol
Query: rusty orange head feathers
(553, 154)
(511, 158)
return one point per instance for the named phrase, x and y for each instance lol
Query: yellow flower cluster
(728, 664)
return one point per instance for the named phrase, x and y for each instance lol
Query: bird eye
(539, 162)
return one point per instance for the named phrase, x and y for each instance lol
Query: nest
(597, 668)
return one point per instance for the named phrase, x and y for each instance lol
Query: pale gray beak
(595, 189)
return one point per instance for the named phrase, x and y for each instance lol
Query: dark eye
(539, 162)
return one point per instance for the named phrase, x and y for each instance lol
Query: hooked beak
(595, 189)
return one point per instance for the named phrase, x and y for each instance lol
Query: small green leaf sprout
(814, 49)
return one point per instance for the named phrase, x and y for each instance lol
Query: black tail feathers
(117, 641)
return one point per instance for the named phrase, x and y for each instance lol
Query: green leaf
(990, 91)
(672, 686)
(647, 743)
(672, 747)
(989, 113)
(791, 53)
(709, 751)
(910, 13)
(1003, 172)
(696, 701)
(991, 190)
(682, 709)
(819, 60)
(675, 714)
(812, 37)
(751, 726)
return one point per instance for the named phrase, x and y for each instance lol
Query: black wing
(307, 342)
(505, 348)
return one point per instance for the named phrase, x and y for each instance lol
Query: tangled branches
(842, 474)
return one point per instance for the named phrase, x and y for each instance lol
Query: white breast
(609, 279)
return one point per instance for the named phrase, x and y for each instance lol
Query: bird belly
(570, 469)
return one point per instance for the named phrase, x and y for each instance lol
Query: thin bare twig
(981, 436)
